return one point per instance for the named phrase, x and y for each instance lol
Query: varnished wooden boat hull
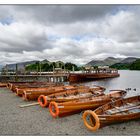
(124, 110)
(62, 109)
(13, 86)
(80, 93)
(33, 95)
(3, 85)
(9, 84)
(21, 90)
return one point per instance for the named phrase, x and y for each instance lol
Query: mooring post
(60, 80)
(16, 78)
(6, 67)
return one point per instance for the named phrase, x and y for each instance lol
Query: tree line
(45, 67)
(127, 66)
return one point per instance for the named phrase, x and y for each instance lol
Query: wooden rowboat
(20, 90)
(71, 107)
(69, 95)
(3, 85)
(33, 95)
(113, 112)
(14, 86)
(10, 84)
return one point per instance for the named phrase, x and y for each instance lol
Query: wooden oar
(27, 105)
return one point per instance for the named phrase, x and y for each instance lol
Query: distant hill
(111, 60)
(95, 63)
(106, 62)
(125, 63)
(44, 61)
(128, 60)
(135, 65)
(22, 65)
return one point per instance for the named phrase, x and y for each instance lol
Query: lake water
(127, 79)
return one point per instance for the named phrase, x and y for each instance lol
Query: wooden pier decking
(48, 78)
(61, 77)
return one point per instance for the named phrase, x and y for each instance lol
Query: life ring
(97, 121)
(42, 101)
(53, 105)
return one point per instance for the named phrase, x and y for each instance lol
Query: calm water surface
(127, 79)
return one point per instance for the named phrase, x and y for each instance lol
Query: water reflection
(127, 79)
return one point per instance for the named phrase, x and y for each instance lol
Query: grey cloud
(102, 31)
(49, 14)
(72, 48)
(123, 27)
(4, 11)
(19, 37)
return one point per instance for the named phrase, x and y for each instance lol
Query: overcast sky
(70, 33)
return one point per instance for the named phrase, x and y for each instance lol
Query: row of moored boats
(98, 108)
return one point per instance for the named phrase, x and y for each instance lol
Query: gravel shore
(35, 120)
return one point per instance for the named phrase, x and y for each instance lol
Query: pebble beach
(35, 120)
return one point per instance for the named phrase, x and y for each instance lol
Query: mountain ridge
(105, 62)
(125, 63)
(129, 60)
(21, 65)
(109, 61)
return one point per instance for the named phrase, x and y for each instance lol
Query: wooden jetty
(93, 74)
(64, 76)
(48, 78)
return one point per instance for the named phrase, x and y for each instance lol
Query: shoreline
(38, 121)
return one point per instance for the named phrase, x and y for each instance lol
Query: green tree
(135, 65)
(45, 67)
(31, 67)
(69, 66)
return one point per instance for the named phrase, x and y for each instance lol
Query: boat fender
(94, 115)
(44, 103)
(54, 107)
